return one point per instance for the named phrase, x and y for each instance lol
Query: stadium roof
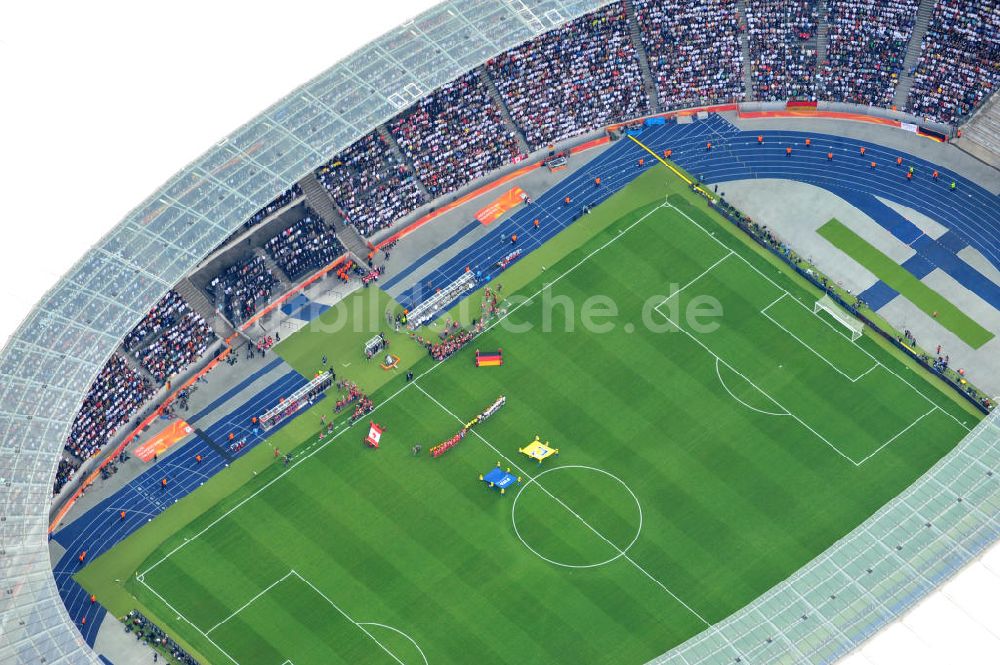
(51, 360)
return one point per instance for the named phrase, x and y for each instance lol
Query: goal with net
(827, 304)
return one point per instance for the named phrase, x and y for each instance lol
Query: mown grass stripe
(928, 300)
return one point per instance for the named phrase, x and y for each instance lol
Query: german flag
(489, 359)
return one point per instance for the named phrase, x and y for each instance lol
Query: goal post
(828, 305)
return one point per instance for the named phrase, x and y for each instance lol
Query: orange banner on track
(805, 112)
(507, 201)
(160, 443)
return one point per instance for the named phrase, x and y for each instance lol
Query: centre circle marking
(622, 551)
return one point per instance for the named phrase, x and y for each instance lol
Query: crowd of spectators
(455, 135)
(162, 315)
(116, 394)
(244, 286)
(64, 474)
(369, 185)
(867, 42)
(148, 632)
(778, 34)
(575, 78)
(183, 343)
(959, 64)
(693, 48)
(279, 202)
(306, 245)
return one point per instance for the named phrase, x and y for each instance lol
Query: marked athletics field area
(697, 467)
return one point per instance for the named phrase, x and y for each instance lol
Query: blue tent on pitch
(499, 479)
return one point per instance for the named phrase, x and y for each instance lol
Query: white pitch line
(189, 622)
(552, 496)
(774, 302)
(755, 269)
(762, 391)
(348, 617)
(752, 408)
(306, 456)
(397, 630)
(898, 434)
(249, 602)
(703, 273)
(719, 359)
(852, 379)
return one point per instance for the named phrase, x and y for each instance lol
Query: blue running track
(617, 166)
(971, 214)
(100, 528)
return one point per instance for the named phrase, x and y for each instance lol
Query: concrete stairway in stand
(397, 153)
(924, 12)
(319, 200)
(822, 37)
(200, 303)
(508, 119)
(649, 83)
(354, 243)
(741, 8)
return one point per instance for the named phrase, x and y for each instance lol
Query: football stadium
(543, 331)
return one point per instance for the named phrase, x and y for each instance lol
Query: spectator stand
(388, 237)
(867, 41)
(180, 345)
(243, 287)
(305, 246)
(370, 185)
(235, 248)
(960, 62)
(693, 49)
(169, 338)
(164, 315)
(114, 397)
(281, 203)
(569, 80)
(781, 38)
(454, 135)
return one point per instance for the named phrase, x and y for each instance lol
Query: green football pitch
(715, 435)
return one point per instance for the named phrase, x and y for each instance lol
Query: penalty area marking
(719, 361)
(830, 444)
(397, 630)
(293, 573)
(620, 550)
(852, 379)
(250, 602)
(360, 626)
(711, 235)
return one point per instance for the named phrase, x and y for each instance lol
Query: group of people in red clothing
(362, 403)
